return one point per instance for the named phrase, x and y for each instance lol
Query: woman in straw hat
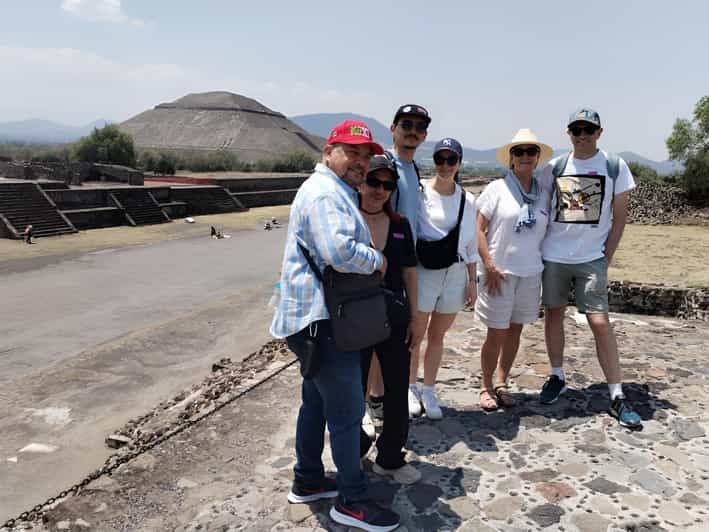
(512, 219)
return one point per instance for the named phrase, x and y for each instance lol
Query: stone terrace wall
(637, 298)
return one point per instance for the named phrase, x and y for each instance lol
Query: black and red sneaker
(367, 515)
(301, 492)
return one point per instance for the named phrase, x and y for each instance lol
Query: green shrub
(106, 145)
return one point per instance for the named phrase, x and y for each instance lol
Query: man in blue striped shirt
(325, 219)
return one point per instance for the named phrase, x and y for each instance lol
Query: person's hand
(493, 279)
(414, 334)
(383, 267)
(471, 292)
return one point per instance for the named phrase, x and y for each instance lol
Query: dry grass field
(673, 255)
(669, 254)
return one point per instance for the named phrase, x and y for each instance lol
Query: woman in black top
(391, 233)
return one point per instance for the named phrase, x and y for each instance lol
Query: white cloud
(100, 11)
(76, 87)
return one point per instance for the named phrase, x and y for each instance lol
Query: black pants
(394, 359)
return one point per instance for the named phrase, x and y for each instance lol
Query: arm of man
(333, 232)
(620, 216)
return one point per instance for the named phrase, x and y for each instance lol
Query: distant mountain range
(321, 124)
(37, 131)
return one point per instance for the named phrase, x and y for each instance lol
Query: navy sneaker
(624, 413)
(552, 390)
(366, 515)
(302, 493)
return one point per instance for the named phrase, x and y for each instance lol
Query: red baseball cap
(354, 132)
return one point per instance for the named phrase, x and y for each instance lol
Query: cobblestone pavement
(568, 466)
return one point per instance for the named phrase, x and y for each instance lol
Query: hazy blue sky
(484, 69)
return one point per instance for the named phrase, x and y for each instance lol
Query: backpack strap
(560, 165)
(613, 168)
(389, 155)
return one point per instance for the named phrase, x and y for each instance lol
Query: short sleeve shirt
(581, 208)
(400, 252)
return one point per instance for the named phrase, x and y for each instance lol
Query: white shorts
(517, 302)
(443, 290)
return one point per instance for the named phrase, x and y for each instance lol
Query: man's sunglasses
(408, 125)
(439, 159)
(373, 182)
(589, 130)
(518, 151)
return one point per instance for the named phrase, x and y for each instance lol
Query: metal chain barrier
(114, 461)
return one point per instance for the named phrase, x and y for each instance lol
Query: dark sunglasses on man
(518, 151)
(408, 125)
(439, 159)
(589, 129)
(389, 186)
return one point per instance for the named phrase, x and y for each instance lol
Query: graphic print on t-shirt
(579, 198)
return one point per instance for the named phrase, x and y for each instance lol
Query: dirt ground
(115, 237)
(669, 254)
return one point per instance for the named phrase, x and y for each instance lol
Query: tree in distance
(689, 144)
(106, 145)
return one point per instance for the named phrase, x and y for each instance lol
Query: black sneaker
(366, 515)
(301, 493)
(376, 407)
(552, 390)
(624, 413)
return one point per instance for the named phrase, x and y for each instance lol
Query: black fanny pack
(440, 254)
(356, 304)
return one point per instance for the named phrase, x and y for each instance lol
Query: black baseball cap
(413, 110)
(382, 162)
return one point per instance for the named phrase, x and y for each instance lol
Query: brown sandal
(489, 405)
(504, 397)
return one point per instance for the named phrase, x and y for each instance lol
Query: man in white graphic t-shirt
(590, 191)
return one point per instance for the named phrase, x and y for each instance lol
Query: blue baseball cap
(585, 114)
(449, 143)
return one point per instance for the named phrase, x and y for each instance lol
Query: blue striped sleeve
(338, 239)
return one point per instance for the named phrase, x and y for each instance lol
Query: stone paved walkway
(567, 466)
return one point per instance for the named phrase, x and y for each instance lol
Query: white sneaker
(430, 404)
(414, 401)
(368, 426)
(406, 474)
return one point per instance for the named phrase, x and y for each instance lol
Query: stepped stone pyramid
(220, 121)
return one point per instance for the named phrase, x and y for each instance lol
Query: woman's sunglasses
(408, 125)
(389, 186)
(589, 130)
(439, 159)
(518, 152)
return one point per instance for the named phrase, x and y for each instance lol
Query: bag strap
(461, 208)
(310, 260)
(613, 168)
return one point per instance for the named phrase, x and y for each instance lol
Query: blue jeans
(333, 395)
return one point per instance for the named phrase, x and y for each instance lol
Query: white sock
(414, 387)
(559, 372)
(616, 390)
(427, 389)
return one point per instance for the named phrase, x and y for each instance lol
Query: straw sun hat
(522, 137)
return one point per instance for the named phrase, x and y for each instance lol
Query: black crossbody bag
(440, 254)
(357, 306)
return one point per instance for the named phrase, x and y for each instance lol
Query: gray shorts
(589, 280)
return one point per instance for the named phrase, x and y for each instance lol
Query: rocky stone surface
(658, 204)
(567, 466)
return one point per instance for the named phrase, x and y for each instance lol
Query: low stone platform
(568, 466)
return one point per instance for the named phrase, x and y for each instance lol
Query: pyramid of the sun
(220, 121)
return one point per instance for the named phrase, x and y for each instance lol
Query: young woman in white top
(446, 250)
(512, 218)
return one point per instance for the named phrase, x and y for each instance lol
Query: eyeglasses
(589, 130)
(408, 125)
(389, 186)
(439, 159)
(518, 151)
